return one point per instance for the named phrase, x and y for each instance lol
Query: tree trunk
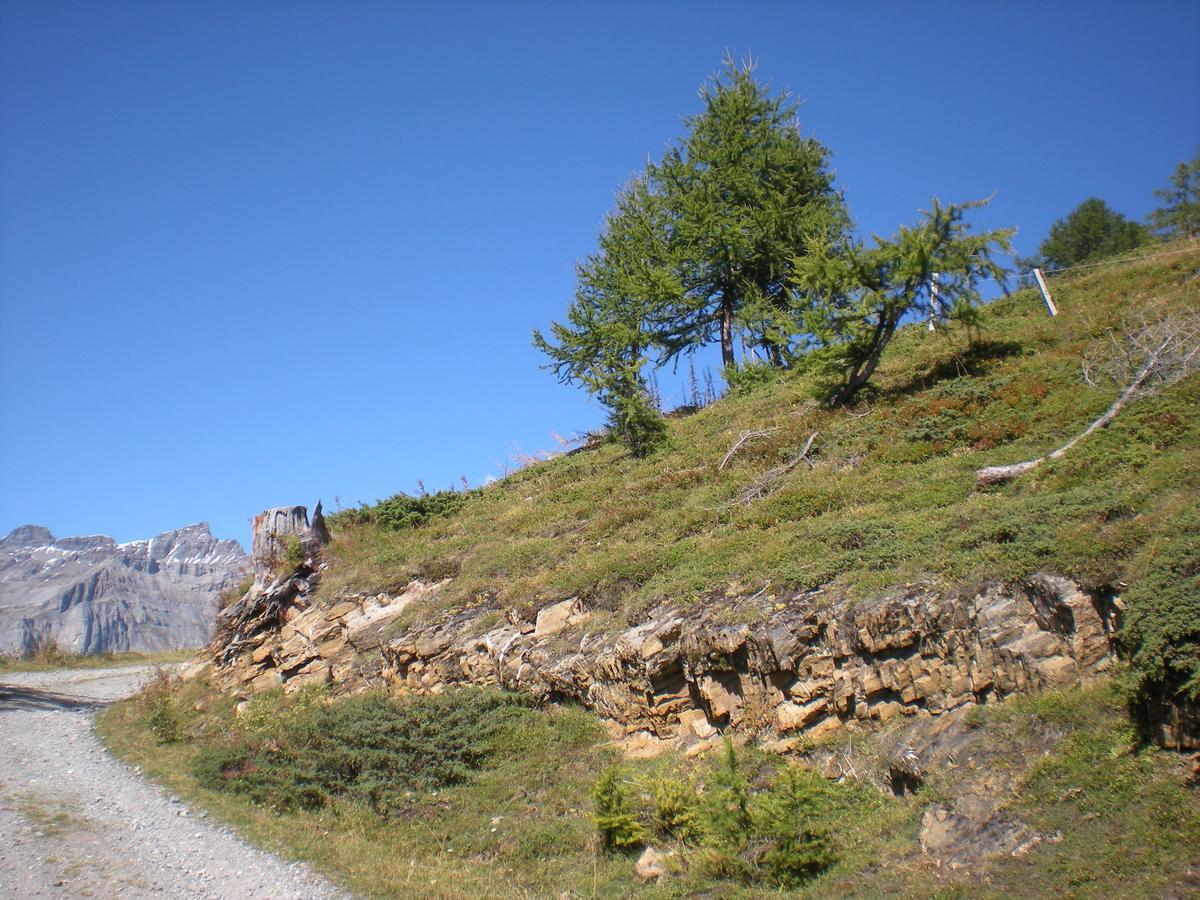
(860, 376)
(727, 357)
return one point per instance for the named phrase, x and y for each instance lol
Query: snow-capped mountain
(92, 595)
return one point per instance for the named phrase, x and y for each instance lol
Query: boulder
(651, 865)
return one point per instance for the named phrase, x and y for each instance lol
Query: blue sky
(257, 253)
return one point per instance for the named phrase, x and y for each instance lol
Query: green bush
(1161, 637)
(402, 511)
(744, 379)
(786, 820)
(726, 812)
(293, 551)
(774, 834)
(162, 720)
(676, 808)
(614, 812)
(161, 717)
(372, 749)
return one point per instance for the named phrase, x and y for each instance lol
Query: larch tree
(743, 191)
(699, 249)
(1091, 231)
(854, 297)
(1179, 216)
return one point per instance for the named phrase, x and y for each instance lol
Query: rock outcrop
(93, 595)
(788, 672)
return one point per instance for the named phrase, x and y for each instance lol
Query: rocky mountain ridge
(91, 594)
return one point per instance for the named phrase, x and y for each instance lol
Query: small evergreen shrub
(614, 813)
(372, 749)
(726, 811)
(676, 809)
(161, 717)
(774, 835)
(401, 511)
(293, 551)
(744, 379)
(786, 820)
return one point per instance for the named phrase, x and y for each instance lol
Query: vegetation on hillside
(886, 495)
(1179, 214)
(698, 250)
(480, 793)
(1091, 231)
(738, 234)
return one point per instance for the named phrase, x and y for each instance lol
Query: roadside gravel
(76, 822)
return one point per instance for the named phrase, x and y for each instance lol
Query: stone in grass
(651, 865)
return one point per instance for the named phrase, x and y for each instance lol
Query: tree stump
(271, 530)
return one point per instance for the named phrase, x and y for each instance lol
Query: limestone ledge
(802, 670)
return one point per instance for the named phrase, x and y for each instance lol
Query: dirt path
(74, 822)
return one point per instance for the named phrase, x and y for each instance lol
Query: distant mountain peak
(29, 536)
(91, 594)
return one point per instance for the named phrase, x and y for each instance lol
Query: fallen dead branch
(744, 438)
(763, 486)
(1145, 358)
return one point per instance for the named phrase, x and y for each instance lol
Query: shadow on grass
(971, 362)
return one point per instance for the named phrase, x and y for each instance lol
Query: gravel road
(75, 822)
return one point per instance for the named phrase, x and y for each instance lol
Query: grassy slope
(1129, 824)
(891, 499)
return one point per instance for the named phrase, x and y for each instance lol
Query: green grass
(890, 500)
(45, 661)
(519, 821)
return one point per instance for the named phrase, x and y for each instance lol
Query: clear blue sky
(257, 253)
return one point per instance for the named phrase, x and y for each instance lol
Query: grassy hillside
(486, 795)
(889, 499)
(478, 792)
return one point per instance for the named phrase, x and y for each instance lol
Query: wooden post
(935, 303)
(1041, 283)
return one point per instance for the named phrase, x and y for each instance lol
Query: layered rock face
(792, 671)
(93, 595)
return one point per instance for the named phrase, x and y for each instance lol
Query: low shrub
(161, 716)
(401, 511)
(373, 749)
(614, 815)
(794, 845)
(676, 808)
(775, 834)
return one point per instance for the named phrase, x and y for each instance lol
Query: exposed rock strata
(93, 595)
(798, 670)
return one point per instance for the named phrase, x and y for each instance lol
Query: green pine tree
(1179, 216)
(743, 191)
(699, 249)
(1089, 232)
(855, 297)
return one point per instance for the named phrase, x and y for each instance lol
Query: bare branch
(763, 485)
(1148, 356)
(743, 438)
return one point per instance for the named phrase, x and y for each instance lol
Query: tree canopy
(743, 192)
(699, 250)
(1091, 231)
(738, 234)
(856, 297)
(1179, 216)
